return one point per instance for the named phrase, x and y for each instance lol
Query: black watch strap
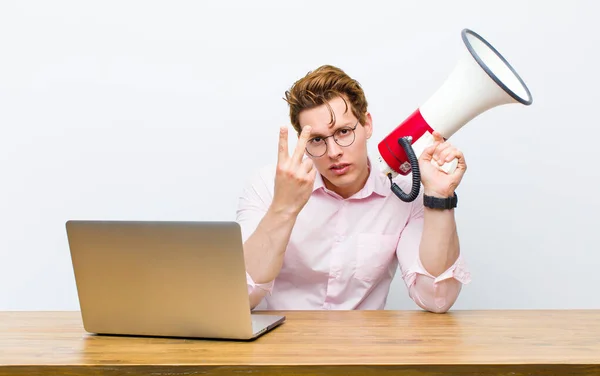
(440, 203)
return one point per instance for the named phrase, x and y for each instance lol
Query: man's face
(344, 168)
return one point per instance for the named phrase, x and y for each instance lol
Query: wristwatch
(440, 203)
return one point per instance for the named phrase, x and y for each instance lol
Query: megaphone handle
(405, 143)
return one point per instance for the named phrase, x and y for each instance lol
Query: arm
(436, 272)
(432, 292)
(267, 231)
(439, 247)
(265, 234)
(264, 251)
(265, 248)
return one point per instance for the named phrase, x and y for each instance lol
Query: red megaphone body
(481, 80)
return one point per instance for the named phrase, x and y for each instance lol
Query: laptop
(164, 278)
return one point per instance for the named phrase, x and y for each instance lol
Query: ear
(368, 125)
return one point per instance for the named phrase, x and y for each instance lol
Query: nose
(334, 151)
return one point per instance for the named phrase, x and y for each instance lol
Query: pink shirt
(344, 253)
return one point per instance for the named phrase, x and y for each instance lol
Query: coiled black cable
(416, 173)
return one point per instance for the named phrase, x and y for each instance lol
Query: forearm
(438, 273)
(439, 247)
(265, 248)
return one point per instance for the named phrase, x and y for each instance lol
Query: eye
(344, 131)
(316, 140)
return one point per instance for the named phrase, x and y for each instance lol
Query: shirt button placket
(335, 268)
(340, 230)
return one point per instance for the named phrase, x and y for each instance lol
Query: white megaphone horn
(481, 80)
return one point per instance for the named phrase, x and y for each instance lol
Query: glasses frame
(334, 133)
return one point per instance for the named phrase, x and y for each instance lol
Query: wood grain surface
(319, 342)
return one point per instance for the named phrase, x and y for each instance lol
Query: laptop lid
(157, 278)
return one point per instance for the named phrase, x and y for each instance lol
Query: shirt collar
(377, 183)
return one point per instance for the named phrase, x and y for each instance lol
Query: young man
(323, 230)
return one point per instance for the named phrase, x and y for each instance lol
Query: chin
(343, 180)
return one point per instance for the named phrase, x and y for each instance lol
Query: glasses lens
(344, 136)
(316, 147)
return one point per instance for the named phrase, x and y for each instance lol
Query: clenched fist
(436, 182)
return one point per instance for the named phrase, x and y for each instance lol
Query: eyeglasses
(317, 147)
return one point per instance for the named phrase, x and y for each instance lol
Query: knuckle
(282, 168)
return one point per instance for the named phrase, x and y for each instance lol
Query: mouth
(339, 168)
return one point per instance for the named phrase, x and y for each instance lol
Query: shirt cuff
(267, 287)
(458, 271)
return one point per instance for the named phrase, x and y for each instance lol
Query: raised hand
(436, 182)
(295, 176)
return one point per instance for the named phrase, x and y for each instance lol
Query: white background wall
(161, 110)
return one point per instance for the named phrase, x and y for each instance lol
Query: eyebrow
(347, 124)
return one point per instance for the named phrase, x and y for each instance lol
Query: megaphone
(481, 80)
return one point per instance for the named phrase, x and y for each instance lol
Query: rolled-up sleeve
(253, 203)
(435, 294)
(253, 287)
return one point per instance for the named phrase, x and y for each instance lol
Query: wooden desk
(324, 342)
